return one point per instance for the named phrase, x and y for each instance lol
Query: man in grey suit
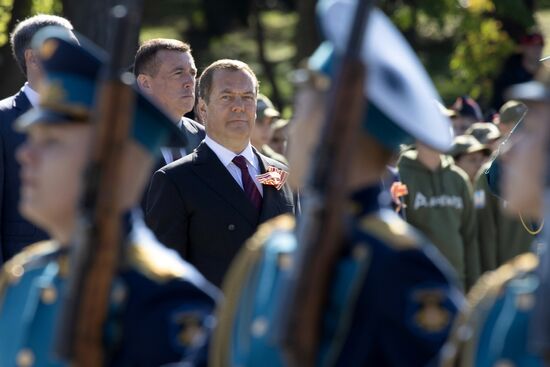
(208, 203)
(15, 231)
(165, 71)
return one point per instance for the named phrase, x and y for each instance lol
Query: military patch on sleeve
(429, 310)
(14, 269)
(190, 329)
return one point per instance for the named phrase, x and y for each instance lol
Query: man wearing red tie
(208, 203)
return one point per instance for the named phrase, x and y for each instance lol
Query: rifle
(320, 229)
(95, 253)
(539, 334)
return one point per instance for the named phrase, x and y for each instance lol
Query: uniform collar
(366, 200)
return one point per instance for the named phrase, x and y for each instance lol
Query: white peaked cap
(397, 83)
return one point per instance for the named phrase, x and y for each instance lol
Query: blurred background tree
(462, 43)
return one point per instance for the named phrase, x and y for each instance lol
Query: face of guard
(52, 160)
(305, 126)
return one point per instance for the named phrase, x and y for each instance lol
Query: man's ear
(202, 110)
(31, 61)
(143, 82)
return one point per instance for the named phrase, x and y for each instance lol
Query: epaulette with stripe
(285, 222)
(157, 262)
(31, 255)
(391, 229)
(490, 285)
(239, 281)
(461, 347)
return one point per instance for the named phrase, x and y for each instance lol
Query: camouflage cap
(465, 144)
(264, 108)
(512, 112)
(446, 111)
(280, 123)
(466, 106)
(484, 132)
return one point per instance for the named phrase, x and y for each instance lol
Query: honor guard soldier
(392, 296)
(160, 308)
(506, 321)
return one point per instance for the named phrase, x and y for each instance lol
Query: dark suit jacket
(196, 207)
(193, 131)
(15, 232)
(195, 134)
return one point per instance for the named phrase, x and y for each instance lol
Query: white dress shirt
(167, 151)
(226, 157)
(31, 94)
(168, 156)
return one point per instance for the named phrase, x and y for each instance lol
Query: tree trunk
(307, 34)
(89, 18)
(266, 64)
(12, 77)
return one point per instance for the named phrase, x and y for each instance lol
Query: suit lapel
(209, 168)
(193, 134)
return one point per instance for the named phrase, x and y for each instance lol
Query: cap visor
(157, 119)
(40, 116)
(270, 112)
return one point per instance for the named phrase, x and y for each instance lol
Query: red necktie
(250, 188)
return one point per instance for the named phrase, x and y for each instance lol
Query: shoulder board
(491, 283)
(158, 263)
(285, 222)
(237, 285)
(147, 256)
(462, 345)
(391, 229)
(14, 268)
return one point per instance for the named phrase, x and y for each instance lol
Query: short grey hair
(205, 80)
(21, 37)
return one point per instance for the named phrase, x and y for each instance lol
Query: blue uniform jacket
(392, 301)
(494, 330)
(160, 312)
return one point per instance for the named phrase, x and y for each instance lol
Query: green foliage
(404, 18)
(47, 6)
(437, 9)
(478, 58)
(240, 43)
(462, 43)
(5, 15)
(280, 50)
(38, 6)
(514, 9)
(148, 33)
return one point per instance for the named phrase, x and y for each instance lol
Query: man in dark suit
(15, 231)
(208, 203)
(165, 71)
